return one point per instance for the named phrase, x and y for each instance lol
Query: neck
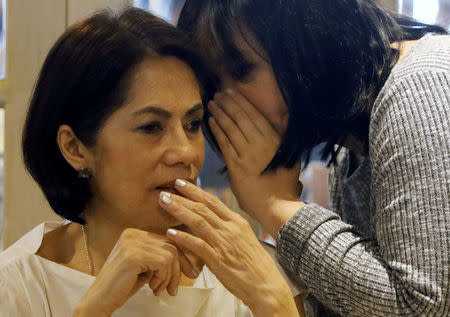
(403, 47)
(103, 231)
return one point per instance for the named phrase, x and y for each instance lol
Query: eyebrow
(194, 109)
(164, 113)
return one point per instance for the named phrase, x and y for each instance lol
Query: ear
(73, 150)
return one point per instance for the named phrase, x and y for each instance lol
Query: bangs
(214, 28)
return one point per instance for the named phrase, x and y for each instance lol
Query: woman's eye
(241, 71)
(194, 125)
(152, 127)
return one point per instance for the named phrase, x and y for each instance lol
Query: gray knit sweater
(384, 247)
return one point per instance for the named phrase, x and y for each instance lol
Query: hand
(225, 242)
(139, 257)
(248, 143)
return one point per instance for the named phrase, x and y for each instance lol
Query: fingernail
(195, 272)
(165, 197)
(171, 232)
(180, 182)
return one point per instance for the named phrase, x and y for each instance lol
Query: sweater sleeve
(408, 274)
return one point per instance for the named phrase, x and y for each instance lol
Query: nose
(180, 150)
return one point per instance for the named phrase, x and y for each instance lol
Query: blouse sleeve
(13, 299)
(408, 275)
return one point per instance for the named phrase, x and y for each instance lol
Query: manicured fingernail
(164, 194)
(165, 197)
(172, 232)
(195, 272)
(180, 182)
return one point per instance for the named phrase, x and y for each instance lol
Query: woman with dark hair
(375, 89)
(114, 120)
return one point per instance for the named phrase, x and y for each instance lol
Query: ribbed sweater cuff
(293, 235)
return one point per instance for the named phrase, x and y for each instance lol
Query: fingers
(232, 130)
(190, 217)
(170, 278)
(165, 280)
(172, 287)
(228, 107)
(186, 266)
(194, 244)
(228, 151)
(156, 280)
(195, 193)
(260, 122)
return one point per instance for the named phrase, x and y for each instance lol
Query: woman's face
(144, 146)
(258, 84)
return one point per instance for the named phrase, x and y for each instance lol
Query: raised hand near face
(225, 242)
(248, 143)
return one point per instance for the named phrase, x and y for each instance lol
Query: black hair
(330, 60)
(84, 79)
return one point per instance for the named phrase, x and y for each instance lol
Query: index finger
(197, 194)
(261, 123)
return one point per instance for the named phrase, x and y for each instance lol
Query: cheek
(121, 165)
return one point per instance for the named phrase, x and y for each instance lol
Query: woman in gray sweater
(375, 89)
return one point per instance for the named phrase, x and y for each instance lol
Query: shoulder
(430, 53)
(416, 94)
(15, 257)
(19, 264)
(429, 57)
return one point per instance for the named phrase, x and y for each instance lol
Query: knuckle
(170, 254)
(202, 245)
(131, 255)
(198, 222)
(167, 259)
(173, 251)
(200, 206)
(128, 234)
(211, 200)
(241, 222)
(234, 235)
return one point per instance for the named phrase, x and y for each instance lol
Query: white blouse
(34, 286)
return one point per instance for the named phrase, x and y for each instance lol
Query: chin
(165, 219)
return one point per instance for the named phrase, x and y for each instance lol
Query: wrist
(86, 309)
(276, 212)
(274, 304)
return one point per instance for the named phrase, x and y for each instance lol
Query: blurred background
(429, 11)
(29, 28)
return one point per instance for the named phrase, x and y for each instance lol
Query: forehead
(164, 81)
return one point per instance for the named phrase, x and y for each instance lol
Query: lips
(170, 186)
